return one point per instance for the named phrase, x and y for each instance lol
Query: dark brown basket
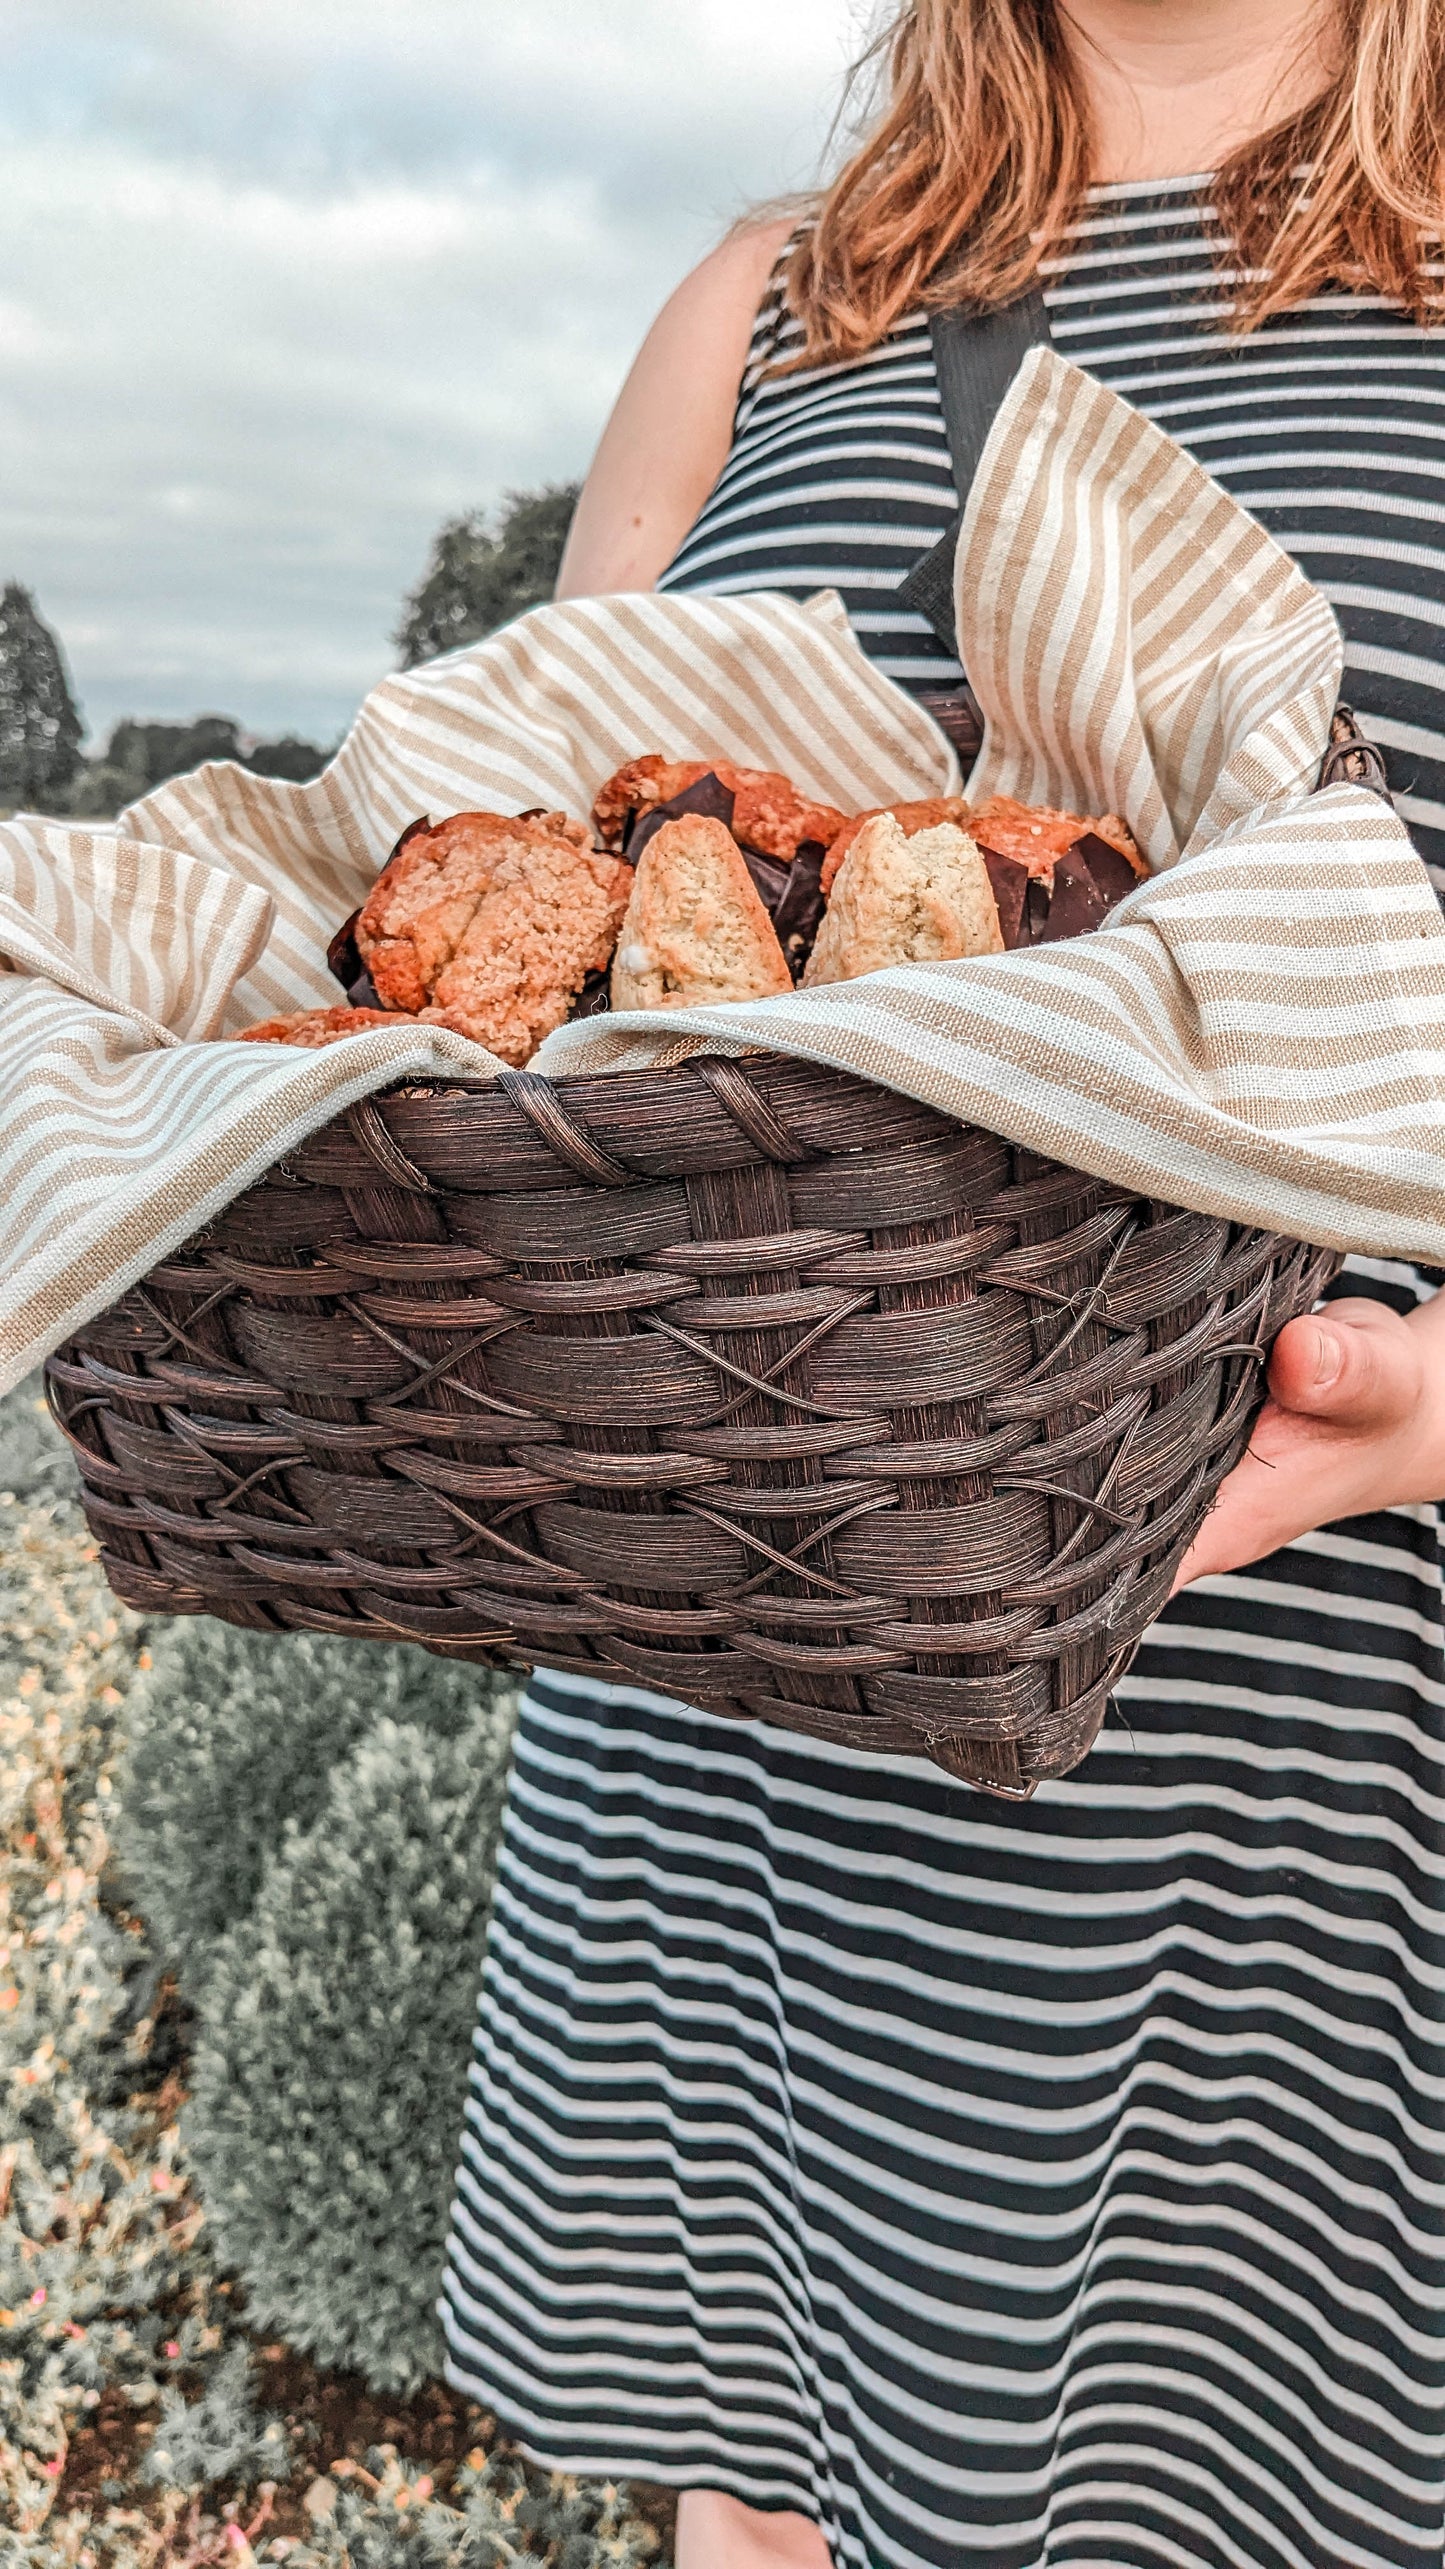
(750, 1382)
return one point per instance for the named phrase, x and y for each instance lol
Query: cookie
(313, 1027)
(911, 817)
(769, 813)
(424, 900)
(547, 916)
(1035, 836)
(695, 930)
(901, 899)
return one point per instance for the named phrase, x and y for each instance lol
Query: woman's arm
(1355, 1421)
(667, 439)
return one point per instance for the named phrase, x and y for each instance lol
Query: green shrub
(232, 1735)
(307, 1827)
(219, 2438)
(331, 2053)
(100, 2290)
(108, 2283)
(35, 1461)
(506, 2513)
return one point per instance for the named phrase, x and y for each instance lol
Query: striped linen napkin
(1259, 1032)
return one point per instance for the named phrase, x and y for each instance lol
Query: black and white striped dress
(1019, 2186)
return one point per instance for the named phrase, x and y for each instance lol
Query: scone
(547, 916)
(911, 818)
(695, 929)
(769, 813)
(426, 897)
(313, 1027)
(924, 899)
(1036, 836)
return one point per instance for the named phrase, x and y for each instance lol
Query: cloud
(346, 88)
(285, 285)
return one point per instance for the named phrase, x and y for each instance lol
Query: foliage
(147, 753)
(35, 1461)
(477, 580)
(509, 2513)
(139, 756)
(308, 1826)
(110, 2300)
(97, 2220)
(219, 2439)
(40, 728)
(294, 760)
(513, 2513)
(309, 1823)
(234, 1733)
(330, 2064)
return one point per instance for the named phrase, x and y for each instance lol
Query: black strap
(977, 355)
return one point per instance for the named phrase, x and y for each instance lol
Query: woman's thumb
(1359, 1367)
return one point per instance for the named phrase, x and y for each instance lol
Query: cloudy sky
(285, 282)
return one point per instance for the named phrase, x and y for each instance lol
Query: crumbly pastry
(1036, 836)
(425, 899)
(313, 1027)
(695, 929)
(547, 917)
(769, 813)
(901, 899)
(911, 818)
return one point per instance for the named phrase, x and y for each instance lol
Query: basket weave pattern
(748, 1381)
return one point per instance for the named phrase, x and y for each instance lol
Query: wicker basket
(748, 1381)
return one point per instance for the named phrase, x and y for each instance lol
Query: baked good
(911, 817)
(313, 1027)
(1036, 836)
(426, 897)
(769, 813)
(901, 899)
(491, 923)
(695, 930)
(547, 916)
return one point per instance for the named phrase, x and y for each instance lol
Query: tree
(148, 753)
(294, 761)
(40, 727)
(477, 580)
(140, 756)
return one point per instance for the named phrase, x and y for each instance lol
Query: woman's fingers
(1355, 1421)
(1355, 1364)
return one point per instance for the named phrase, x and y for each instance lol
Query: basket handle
(1351, 759)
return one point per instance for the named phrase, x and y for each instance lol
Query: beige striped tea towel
(1259, 1033)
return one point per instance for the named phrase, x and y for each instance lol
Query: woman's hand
(1355, 1421)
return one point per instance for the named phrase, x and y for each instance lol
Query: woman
(906, 2177)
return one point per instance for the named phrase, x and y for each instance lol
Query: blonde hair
(981, 155)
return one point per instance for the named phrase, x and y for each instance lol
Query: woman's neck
(1175, 86)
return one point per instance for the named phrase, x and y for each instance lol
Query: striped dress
(1048, 2185)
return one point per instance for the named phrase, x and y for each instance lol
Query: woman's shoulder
(737, 282)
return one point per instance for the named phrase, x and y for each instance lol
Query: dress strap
(976, 355)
